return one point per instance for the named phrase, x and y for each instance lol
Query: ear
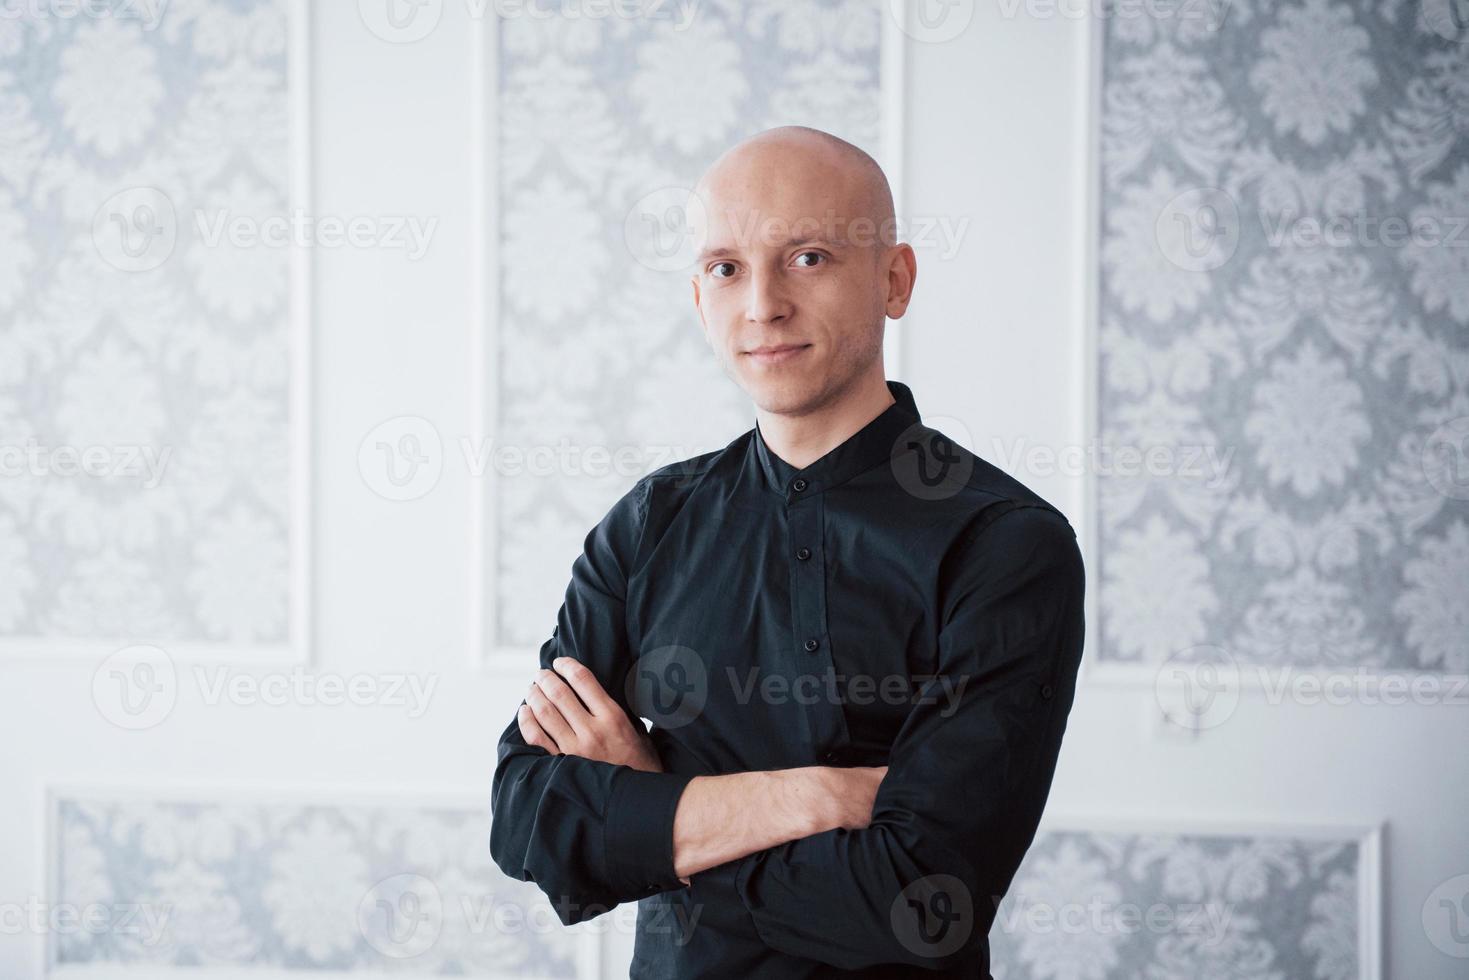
(902, 273)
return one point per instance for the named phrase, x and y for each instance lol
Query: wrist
(804, 799)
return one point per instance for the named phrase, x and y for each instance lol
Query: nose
(766, 301)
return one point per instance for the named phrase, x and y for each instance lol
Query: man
(857, 642)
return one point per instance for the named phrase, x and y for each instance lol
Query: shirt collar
(874, 443)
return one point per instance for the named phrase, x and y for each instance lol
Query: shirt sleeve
(968, 774)
(590, 834)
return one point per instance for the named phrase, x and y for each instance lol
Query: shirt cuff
(639, 830)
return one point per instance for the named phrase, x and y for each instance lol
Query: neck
(802, 439)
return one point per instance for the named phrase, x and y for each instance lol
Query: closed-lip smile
(774, 353)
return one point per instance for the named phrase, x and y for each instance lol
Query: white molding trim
(484, 351)
(303, 386)
(297, 649)
(587, 935)
(1088, 180)
(483, 656)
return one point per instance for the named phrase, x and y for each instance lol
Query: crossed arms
(822, 855)
(719, 818)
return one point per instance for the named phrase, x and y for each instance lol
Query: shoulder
(1018, 553)
(686, 472)
(647, 506)
(679, 478)
(976, 492)
(995, 520)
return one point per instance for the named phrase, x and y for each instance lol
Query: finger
(586, 686)
(550, 718)
(564, 698)
(532, 732)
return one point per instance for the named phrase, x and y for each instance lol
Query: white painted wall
(995, 133)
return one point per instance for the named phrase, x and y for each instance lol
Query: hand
(568, 712)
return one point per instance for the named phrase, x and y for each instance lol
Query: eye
(813, 255)
(714, 270)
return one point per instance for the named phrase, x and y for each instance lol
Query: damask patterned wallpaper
(1331, 378)
(313, 884)
(1096, 905)
(602, 123)
(300, 884)
(145, 365)
(1284, 328)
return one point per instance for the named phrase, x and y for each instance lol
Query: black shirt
(898, 602)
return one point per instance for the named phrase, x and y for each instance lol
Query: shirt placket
(826, 725)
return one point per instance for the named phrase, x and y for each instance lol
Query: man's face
(791, 282)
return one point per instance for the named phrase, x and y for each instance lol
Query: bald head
(825, 178)
(798, 269)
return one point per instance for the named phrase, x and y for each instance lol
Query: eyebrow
(726, 250)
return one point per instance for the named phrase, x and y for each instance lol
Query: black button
(830, 757)
(799, 485)
(652, 889)
(812, 644)
(1046, 691)
(803, 553)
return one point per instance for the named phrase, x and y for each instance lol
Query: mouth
(776, 353)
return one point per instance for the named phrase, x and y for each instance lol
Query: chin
(781, 395)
